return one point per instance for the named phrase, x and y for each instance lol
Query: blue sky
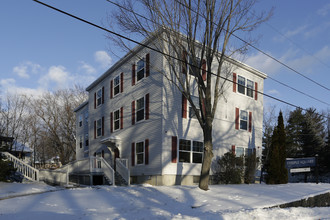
(41, 49)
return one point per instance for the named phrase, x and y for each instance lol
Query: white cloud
(103, 58)
(57, 77)
(25, 68)
(8, 86)
(324, 10)
(263, 63)
(87, 68)
(273, 92)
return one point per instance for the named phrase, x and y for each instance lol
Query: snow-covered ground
(161, 202)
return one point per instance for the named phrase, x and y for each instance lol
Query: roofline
(81, 106)
(247, 67)
(147, 41)
(128, 55)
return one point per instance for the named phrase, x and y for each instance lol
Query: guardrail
(25, 169)
(122, 169)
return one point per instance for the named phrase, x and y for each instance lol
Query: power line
(264, 53)
(158, 51)
(277, 81)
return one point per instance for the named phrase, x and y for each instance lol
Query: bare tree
(13, 117)
(55, 113)
(183, 23)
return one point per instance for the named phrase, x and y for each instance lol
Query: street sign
(300, 162)
(300, 170)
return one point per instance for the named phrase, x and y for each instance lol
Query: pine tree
(277, 172)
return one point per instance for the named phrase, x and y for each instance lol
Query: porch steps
(119, 180)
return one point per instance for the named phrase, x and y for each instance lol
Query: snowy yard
(161, 202)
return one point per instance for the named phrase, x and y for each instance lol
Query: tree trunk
(207, 159)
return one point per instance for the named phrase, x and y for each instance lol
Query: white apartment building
(134, 112)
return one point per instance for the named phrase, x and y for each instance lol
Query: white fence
(25, 169)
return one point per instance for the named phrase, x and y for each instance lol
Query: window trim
(140, 153)
(191, 151)
(137, 110)
(99, 97)
(98, 127)
(242, 119)
(119, 85)
(138, 70)
(115, 120)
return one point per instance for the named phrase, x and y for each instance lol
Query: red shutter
(133, 112)
(234, 82)
(237, 118)
(121, 118)
(111, 122)
(204, 69)
(133, 154)
(146, 159)
(256, 91)
(121, 82)
(184, 107)
(250, 121)
(174, 148)
(147, 106)
(103, 95)
(133, 74)
(94, 100)
(147, 65)
(111, 89)
(233, 149)
(94, 129)
(102, 126)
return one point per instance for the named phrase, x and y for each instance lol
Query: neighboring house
(134, 112)
(22, 152)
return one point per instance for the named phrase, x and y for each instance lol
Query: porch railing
(122, 169)
(25, 169)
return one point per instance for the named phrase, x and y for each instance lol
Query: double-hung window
(80, 141)
(140, 70)
(190, 151)
(140, 109)
(241, 84)
(99, 128)
(116, 85)
(116, 120)
(249, 88)
(197, 152)
(99, 97)
(80, 120)
(243, 120)
(86, 139)
(139, 152)
(195, 100)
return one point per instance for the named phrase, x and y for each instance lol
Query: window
(241, 85)
(195, 100)
(197, 152)
(99, 128)
(190, 151)
(86, 139)
(184, 151)
(140, 109)
(80, 141)
(140, 70)
(249, 89)
(191, 67)
(239, 151)
(116, 119)
(80, 120)
(139, 148)
(243, 120)
(99, 97)
(116, 85)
